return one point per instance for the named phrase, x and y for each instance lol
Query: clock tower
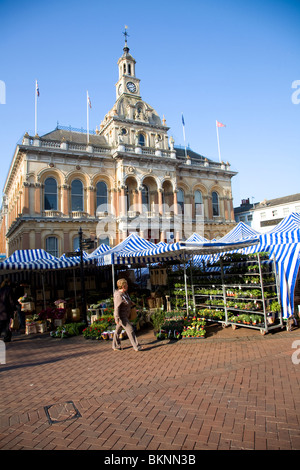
(132, 121)
(127, 83)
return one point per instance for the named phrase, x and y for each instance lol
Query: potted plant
(157, 319)
(274, 309)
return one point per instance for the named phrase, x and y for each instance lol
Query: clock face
(131, 87)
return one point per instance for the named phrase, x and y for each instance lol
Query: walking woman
(122, 307)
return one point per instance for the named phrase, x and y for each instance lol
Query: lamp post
(83, 299)
(87, 244)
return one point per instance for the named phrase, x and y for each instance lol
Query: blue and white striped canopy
(240, 232)
(35, 260)
(197, 238)
(99, 251)
(131, 244)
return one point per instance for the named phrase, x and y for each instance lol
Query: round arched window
(198, 203)
(77, 195)
(101, 195)
(50, 194)
(215, 204)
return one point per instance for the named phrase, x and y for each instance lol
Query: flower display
(96, 330)
(195, 329)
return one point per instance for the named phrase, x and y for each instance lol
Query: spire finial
(126, 34)
(126, 49)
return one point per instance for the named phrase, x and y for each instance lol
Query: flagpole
(35, 115)
(183, 124)
(87, 117)
(218, 141)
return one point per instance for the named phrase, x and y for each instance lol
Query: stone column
(114, 201)
(140, 200)
(37, 198)
(91, 203)
(210, 209)
(175, 203)
(122, 202)
(231, 209)
(160, 201)
(226, 208)
(65, 199)
(25, 208)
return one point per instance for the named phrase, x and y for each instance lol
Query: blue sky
(231, 61)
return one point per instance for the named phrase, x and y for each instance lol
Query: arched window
(198, 203)
(180, 201)
(50, 194)
(101, 196)
(52, 246)
(215, 204)
(141, 140)
(145, 196)
(77, 195)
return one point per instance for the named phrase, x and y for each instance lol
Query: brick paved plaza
(230, 391)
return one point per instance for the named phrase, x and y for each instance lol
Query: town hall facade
(127, 176)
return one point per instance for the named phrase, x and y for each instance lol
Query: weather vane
(126, 34)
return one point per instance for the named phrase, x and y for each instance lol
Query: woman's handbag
(15, 322)
(133, 313)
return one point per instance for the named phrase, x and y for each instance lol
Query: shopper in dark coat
(7, 308)
(18, 292)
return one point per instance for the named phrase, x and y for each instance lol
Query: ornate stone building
(125, 177)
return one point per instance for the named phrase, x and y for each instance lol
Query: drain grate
(60, 412)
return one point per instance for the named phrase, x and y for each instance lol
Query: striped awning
(240, 232)
(133, 243)
(35, 260)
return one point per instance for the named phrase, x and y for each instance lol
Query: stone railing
(51, 213)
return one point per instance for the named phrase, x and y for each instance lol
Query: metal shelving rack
(265, 325)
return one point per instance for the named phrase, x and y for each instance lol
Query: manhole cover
(61, 412)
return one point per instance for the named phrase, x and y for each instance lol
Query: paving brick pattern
(232, 390)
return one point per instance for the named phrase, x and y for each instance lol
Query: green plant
(275, 307)
(233, 318)
(67, 330)
(157, 319)
(255, 319)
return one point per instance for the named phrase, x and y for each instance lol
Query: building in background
(126, 176)
(264, 216)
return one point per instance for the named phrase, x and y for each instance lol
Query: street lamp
(84, 244)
